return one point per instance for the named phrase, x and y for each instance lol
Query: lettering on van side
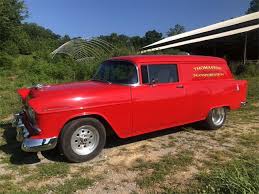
(208, 75)
(200, 71)
(207, 68)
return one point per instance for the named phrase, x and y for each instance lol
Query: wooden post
(245, 48)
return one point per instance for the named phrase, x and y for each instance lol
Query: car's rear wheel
(82, 139)
(216, 118)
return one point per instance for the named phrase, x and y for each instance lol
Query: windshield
(121, 72)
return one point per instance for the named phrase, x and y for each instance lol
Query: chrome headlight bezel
(31, 114)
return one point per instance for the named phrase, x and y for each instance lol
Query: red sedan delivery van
(129, 96)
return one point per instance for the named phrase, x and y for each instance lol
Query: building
(235, 39)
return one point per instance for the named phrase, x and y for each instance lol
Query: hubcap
(85, 140)
(218, 116)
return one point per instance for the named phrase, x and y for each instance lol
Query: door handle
(179, 86)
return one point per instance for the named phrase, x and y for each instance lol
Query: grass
(162, 168)
(218, 156)
(237, 176)
(5, 177)
(10, 187)
(249, 140)
(68, 186)
(48, 170)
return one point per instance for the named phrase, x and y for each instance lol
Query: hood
(76, 88)
(70, 96)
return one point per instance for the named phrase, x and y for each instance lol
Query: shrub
(6, 61)
(251, 69)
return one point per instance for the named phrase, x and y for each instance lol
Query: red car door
(159, 101)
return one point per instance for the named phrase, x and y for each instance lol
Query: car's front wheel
(216, 118)
(82, 139)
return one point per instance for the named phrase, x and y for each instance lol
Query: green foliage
(152, 36)
(254, 6)
(37, 32)
(177, 29)
(17, 38)
(253, 88)
(6, 61)
(251, 69)
(12, 12)
(137, 42)
(10, 47)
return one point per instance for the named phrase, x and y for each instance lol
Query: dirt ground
(134, 165)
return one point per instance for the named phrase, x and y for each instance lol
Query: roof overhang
(227, 28)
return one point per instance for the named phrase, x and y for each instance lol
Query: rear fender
(218, 106)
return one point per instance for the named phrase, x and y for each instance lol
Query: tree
(65, 38)
(177, 29)
(137, 42)
(254, 6)
(37, 32)
(115, 39)
(152, 36)
(12, 12)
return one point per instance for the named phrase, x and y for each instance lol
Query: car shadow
(13, 148)
(115, 141)
(18, 157)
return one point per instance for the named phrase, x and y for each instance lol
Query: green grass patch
(238, 176)
(71, 185)
(5, 177)
(218, 156)
(68, 186)
(45, 171)
(249, 140)
(162, 168)
(10, 187)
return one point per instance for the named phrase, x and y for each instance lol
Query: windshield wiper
(101, 80)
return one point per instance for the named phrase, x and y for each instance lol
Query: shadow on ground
(18, 157)
(13, 148)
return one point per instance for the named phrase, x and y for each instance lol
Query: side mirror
(153, 81)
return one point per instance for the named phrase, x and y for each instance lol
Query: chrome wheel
(218, 116)
(85, 140)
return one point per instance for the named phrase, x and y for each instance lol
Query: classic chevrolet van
(129, 96)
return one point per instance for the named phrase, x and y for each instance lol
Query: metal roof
(222, 29)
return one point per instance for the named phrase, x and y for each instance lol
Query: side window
(163, 73)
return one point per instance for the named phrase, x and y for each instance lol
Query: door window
(162, 73)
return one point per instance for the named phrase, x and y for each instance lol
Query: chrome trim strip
(37, 145)
(17, 120)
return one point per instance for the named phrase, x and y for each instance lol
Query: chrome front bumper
(30, 144)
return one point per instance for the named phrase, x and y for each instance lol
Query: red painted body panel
(204, 83)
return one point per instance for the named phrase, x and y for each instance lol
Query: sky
(91, 18)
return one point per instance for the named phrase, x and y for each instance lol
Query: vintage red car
(129, 96)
